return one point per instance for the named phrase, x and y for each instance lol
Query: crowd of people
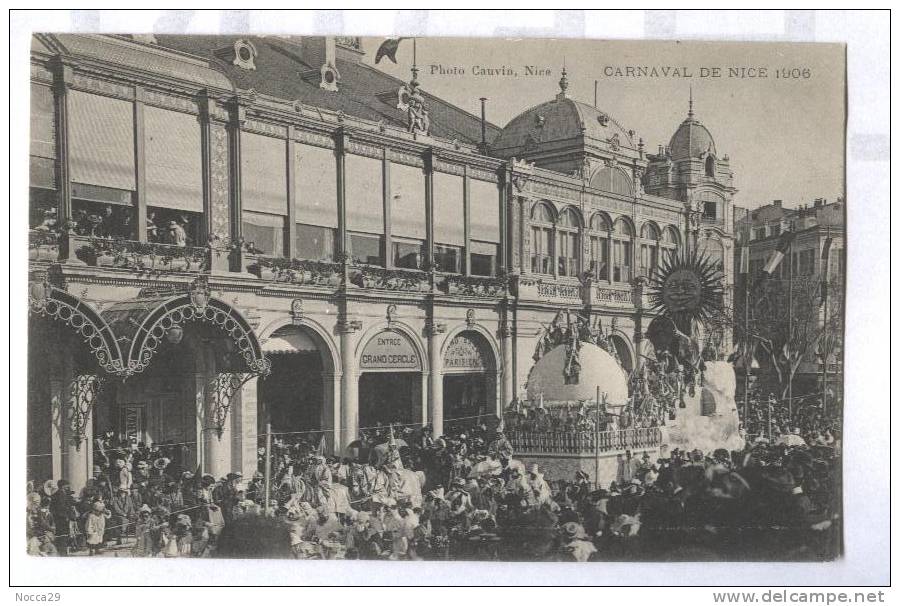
(766, 416)
(402, 493)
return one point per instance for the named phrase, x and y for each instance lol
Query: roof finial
(691, 101)
(563, 82)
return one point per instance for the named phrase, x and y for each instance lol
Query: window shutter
(316, 186)
(365, 199)
(407, 201)
(173, 159)
(449, 227)
(263, 174)
(485, 211)
(101, 148)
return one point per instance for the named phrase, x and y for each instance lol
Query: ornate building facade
(231, 232)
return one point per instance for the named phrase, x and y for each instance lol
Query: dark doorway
(468, 395)
(389, 397)
(293, 394)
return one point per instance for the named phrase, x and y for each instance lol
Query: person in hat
(62, 509)
(122, 514)
(538, 485)
(143, 533)
(576, 546)
(95, 527)
(177, 234)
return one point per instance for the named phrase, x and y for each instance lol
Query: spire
(691, 102)
(563, 83)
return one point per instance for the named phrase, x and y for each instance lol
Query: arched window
(599, 237)
(710, 166)
(614, 180)
(670, 242)
(542, 239)
(568, 242)
(649, 249)
(623, 235)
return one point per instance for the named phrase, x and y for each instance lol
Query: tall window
(365, 209)
(623, 235)
(541, 239)
(568, 242)
(315, 195)
(174, 180)
(449, 227)
(407, 216)
(599, 235)
(670, 241)
(44, 202)
(649, 249)
(484, 225)
(264, 193)
(102, 165)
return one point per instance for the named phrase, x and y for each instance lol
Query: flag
(388, 49)
(744, 267)
(826, 248)
(784, 243)
(823, 285)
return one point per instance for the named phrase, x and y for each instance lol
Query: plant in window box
(43, 245)
(263, 269)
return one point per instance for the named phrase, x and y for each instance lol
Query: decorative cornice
(103, 87)
(167, 101)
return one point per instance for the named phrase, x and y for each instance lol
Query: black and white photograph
(515, 299)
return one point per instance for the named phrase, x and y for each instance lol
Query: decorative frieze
(363, 149)
(41, 73)
(483, 175)
(448, 167)
(266, 128)
(311, 138)
(407, 158)
(174, 102)
(103, 87)
(220, 221)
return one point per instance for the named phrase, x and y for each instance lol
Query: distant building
(760, 230)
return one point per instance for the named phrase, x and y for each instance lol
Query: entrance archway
(294, 397)
(390, 381)
(470, 379)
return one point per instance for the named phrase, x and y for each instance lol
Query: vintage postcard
(440, 299)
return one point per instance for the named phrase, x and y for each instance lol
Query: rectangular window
(174, 161)
(365, 199)
(449, 224)
(407, 201)
(170, 226)
(484, 206)
(407, 255)
(43, 138)
(314, 242)
(315, 186)
(447, 258)
(483, 258)
(263, 174)
(568, 254)
(600, 257)
(101, 141)
(621, 261)
(103, 212)
(264, 232)
(541, 252)
(709, 210)
(775, 230)
(759, 233)
(366, 249)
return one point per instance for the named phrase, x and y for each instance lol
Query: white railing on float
(584, 442)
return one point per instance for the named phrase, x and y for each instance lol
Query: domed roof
(559, 120)
(691, 140)
(598, 368)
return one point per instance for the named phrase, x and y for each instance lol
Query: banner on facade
(465, 354)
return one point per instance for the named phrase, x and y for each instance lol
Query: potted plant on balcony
(263, 269)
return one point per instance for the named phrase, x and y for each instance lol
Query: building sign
(389, 350)
(132, 423)
(464, 354)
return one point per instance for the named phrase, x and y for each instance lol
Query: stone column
(436, 378)
(349, 427)
(507, 385)
(243, 429)
(217, 440)
(331, 410)
(81, 396)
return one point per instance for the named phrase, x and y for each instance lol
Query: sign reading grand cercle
(389, 350)
(681, 291)
(464, 354)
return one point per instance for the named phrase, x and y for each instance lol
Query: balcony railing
(584, 442)
(43, 245)
(138, 256)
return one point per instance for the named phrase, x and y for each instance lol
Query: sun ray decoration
(687, 287)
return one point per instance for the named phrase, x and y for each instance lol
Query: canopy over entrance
(146, 321)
